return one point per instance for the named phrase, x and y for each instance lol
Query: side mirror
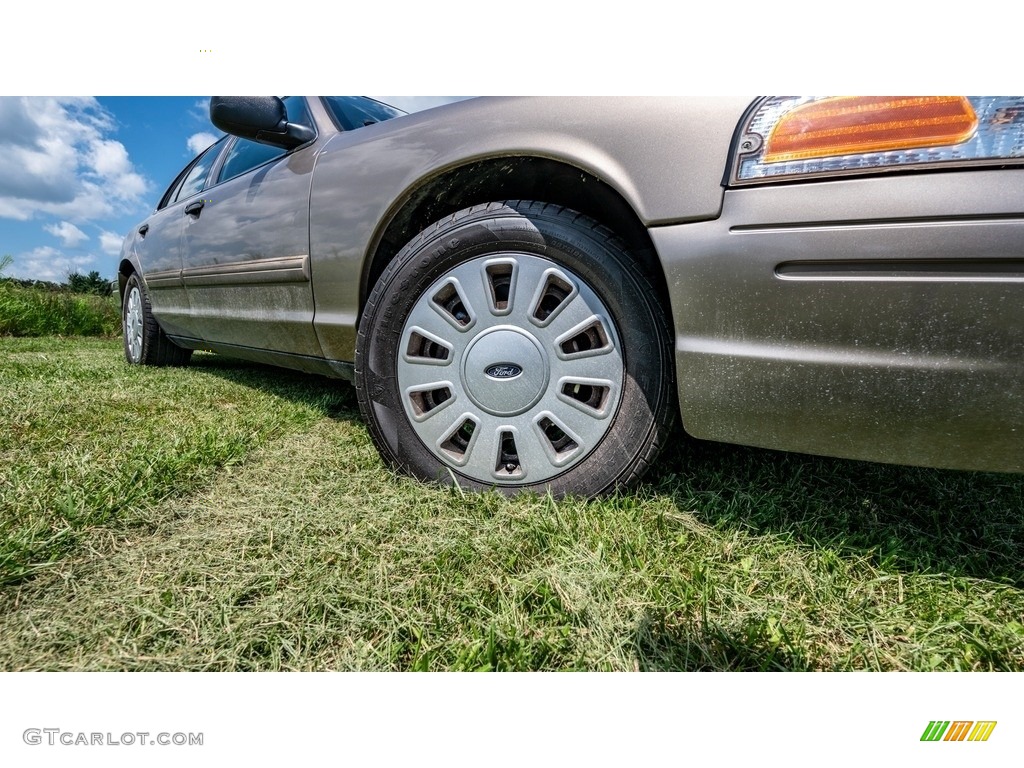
(259, 118)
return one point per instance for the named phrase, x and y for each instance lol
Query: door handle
(193, 209)
(143, 230)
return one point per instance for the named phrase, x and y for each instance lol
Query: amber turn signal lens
(845, 125)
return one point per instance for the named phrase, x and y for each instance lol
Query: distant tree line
(77, 283)
(91, 283)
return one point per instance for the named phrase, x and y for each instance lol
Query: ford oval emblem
(503, 371)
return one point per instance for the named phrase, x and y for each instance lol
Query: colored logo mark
(958, 730)
(503, 371)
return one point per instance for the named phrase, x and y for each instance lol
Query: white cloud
(57, 158)
(110, 243)
(109, 158)
(200, 110)
(70, 235)
(197, 142)
(46, 263)
(10, 210)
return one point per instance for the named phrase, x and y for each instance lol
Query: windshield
(353, 112)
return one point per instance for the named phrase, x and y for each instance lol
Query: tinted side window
(245, 155)
(196, 178)
(169, 194)
(172, 190)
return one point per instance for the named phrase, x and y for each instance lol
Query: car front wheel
(516, 345)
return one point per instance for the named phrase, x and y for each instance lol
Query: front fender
(665, 157)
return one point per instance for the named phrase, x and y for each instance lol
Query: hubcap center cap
(504, 371)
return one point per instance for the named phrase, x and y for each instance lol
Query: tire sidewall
(560, 238)
(134, 284)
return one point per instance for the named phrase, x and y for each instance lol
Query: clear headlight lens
(795, 137)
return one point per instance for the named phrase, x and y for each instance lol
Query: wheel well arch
(518, 177)
(124, 270)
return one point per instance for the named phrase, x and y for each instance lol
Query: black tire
(145, 342)
(553, 266)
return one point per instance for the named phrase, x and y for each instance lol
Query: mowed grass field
(228, 516)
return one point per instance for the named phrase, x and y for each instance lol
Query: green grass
(235, 517)
(39, 312)
(86, 440)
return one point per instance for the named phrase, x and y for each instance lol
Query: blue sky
(77, 174)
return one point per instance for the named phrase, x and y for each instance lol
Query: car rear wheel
(145, 342)
(516, 345)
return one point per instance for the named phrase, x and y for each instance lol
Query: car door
(157, 243)
(245, 246)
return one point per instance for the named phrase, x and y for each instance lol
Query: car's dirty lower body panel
(876, 330)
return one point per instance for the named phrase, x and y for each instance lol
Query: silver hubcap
(510, 369)
(133, 324)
